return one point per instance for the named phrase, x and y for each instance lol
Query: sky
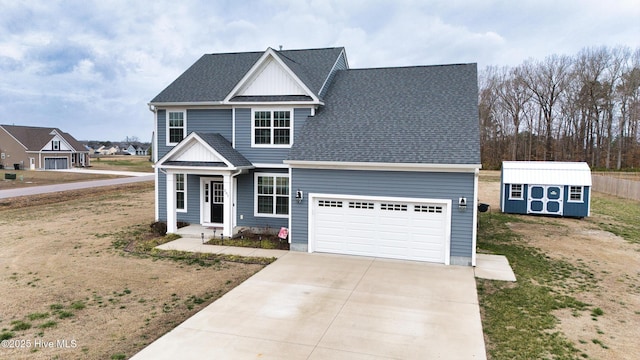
(91, 67)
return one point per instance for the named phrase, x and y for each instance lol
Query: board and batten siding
(245, 203)
(423, 185)
(264, 155)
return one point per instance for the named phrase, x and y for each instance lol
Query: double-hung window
(272, 128)
(55, 145)
(575, 193)
(180, 192)
(272, 195)
(175, 126)
(515, 192)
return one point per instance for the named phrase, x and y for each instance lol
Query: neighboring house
(134, 149)
(40, 148)
(112, 150)
(546, 188)
(130, 149)
(375, 162)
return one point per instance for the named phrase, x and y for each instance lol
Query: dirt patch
(615, 265)
(68, 293)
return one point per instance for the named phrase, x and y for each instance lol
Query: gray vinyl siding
(386, 183)
(192, 215)
(246, 201)
(210, 121)
(203, 120)
(264, 155)
(341, 64)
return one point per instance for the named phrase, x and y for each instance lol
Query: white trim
(474, 233)
(156, 192)
(184, 125)
(271, 166)
(185, 178)
(333, 67)
(255, 194)
(233, 128)
(258, 66)
(338, 165)
(511, 197)
(185, 142)
(311, 197)
(290, 205)
(272, 128)
(207, 180)
(581, 201)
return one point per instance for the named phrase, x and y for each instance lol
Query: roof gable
(36, 138)
(218, 78)
(206, 149)
(546, 173)
(269, 76)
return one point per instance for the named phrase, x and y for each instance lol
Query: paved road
(35, 190)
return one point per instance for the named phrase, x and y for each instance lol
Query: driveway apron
(322, 306)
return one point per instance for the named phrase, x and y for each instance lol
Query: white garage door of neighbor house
(55, 163)
(381, 228)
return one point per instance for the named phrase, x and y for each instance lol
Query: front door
(217, 202)
(545, 199)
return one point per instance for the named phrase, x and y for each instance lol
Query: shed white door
(389, 229)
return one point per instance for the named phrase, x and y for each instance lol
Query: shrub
(159, 228)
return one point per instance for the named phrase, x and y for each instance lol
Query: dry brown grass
(60, 274)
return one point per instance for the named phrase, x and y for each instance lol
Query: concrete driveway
(321, 306)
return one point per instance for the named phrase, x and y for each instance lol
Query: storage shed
(545, 187)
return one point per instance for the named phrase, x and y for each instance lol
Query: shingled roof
(423, 114)
(35, 138)
(213, 76)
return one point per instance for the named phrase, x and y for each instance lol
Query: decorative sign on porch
(284, 232)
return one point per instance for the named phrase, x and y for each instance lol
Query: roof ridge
(410, 66)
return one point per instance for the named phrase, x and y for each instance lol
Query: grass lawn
(563, 269)
(122, 163)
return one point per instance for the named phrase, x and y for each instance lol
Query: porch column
(227, 185)
(171, 204)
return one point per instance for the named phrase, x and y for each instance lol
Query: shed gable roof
(411, 115)
(546, 173)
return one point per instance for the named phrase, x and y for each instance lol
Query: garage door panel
(393, 229)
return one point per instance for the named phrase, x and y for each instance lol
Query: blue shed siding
(515, 206)
(245, 203)
(386, 183)
(264, 155)
(569, 209)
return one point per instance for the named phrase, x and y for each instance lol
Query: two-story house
(377, 162)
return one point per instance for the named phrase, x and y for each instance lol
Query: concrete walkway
(323, 306)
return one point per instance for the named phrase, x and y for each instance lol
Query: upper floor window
(175, 126)
(271, 128)
(55, 145)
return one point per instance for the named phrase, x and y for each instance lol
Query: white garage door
(381, 228)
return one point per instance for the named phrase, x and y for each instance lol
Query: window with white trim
(272, 195)
(271, 128)
(176, 126)
(181, 189)
(575, 193)
(55, 145)
(515, 192)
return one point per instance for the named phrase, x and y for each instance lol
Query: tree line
(584, 107)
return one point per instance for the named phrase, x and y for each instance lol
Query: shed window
(575, 193)
(515, 192)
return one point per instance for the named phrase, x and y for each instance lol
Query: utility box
(9, 176)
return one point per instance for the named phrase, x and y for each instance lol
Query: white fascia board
(190, 104)
(258, 65)
(274, 103)
(199, 170)
(335, 165)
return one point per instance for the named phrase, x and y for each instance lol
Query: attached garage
(398, 228)
(55, 163)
